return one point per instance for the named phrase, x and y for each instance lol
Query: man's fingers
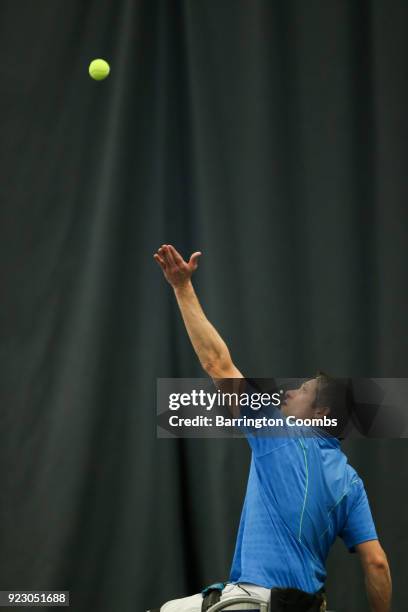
(159, 260)
(176, 255)
(166, 255)
(162, 255)
(170, 255)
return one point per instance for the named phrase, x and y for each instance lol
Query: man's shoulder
(354, 486)
(351, 472)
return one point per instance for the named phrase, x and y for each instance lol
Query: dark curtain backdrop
(273, 137)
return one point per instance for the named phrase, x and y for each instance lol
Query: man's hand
(176, 271)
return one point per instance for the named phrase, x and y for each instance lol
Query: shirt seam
(355, 479)
(306, 491)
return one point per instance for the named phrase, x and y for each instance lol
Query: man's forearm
(207, 342)
(378, 586)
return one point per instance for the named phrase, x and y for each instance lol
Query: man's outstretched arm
(210, 348)
(377, 575)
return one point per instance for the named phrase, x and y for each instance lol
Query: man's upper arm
(371, 553)
(231, 381)
(228, 379)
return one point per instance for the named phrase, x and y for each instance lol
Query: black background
(272, 136)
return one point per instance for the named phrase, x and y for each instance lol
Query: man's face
(299, 402)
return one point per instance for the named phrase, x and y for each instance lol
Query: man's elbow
(376, 557)
(218, 368)
(372, 555)
(221, 367)
(378, 563)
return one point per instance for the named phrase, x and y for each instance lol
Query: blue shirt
(301, 495)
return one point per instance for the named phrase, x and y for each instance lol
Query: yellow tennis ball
(99, 69)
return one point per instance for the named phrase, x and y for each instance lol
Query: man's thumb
(193, 262)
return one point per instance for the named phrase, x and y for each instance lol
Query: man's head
(300, 402)
(318, 397)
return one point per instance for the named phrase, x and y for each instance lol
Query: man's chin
(284, 411)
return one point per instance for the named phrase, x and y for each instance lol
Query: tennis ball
(99, 69)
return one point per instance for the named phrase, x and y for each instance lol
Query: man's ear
(321, 411)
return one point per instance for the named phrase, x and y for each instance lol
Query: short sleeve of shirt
(359, 525)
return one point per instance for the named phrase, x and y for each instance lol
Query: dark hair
(334, 393)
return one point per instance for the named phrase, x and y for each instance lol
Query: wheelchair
(243, 604)
(236, 604)
(240, 604)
